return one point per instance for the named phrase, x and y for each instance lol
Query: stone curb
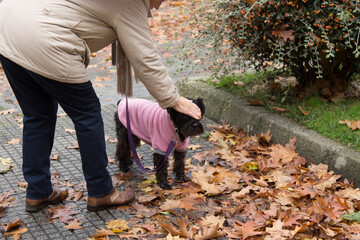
(254, 119)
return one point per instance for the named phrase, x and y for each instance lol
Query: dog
(157, 127)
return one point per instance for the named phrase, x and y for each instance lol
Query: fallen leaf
(184, 230)
(194, 147)
(351, 124)
(16, 233)
(306, 113)
(248, 229)
(22, 184)
(103, 233)
(255, 102)
(111, 160)
(63, 213)
(70, 130)
(5, 165)
(280, 109)
(62, 114)
(187, 205)
(73, 225)
(170, 204)
(14, 141)
(117, 226)
(11, 225)
(74, 146)
(55, 157)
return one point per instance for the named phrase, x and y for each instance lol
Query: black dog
(186, 126)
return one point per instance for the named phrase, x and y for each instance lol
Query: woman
(44, 51)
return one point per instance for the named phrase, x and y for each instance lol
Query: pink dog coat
(150, 123)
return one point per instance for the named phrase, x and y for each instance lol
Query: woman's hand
(187, 107)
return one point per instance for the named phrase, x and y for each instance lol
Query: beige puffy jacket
(54, 38)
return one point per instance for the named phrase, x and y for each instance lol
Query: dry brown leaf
(11, 225)
(194, 147)
(63, 213)
(74, 146)
(22, 184)
(55, 157)
(70, 130)
(62, 115)
(118, 225)
(170, 204)
(184, 230)
(306, 113)
(279, 109)
(75, 224)
(76, 195)
(248, 229)
(6, 201)
(209, 232)
(111, 160)
(187, 205)
(212, 220)
(103, 233)
(255, 102)
(16, 233)
(351, 124)
(14, 141)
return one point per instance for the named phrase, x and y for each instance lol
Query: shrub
(317, 40)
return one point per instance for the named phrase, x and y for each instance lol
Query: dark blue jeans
(38, 98)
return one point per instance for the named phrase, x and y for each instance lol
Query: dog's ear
(200, 103)
(171, 112)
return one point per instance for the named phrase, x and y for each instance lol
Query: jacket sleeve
(132, 28)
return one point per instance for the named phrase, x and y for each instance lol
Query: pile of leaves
(245, 187)
(248, 188)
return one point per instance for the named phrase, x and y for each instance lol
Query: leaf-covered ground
(244, 188)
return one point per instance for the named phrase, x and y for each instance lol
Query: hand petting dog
(188, 107)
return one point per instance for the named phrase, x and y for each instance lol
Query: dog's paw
(182, 178)
(124, 169)
(165, 186)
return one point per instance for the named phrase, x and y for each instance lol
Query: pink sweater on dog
(150, 123)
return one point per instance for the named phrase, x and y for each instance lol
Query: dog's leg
(162, 173)
(179, 166)
(123, 152)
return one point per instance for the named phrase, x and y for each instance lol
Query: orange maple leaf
(73, 225)
(63, 213)
(187, 205)
(248, 228)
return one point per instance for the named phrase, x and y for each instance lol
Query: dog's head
(187, 125)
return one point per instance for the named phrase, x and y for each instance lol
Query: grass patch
(323, 115)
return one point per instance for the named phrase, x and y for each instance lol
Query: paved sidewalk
(66, 170)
